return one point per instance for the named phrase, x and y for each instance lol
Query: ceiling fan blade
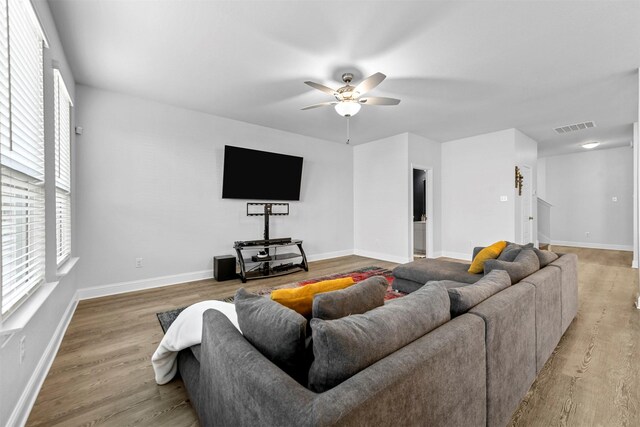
(369, 83)
(379, 100)
(321, 88)
(323, 104)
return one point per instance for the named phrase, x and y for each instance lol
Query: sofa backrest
(345, 346)
(547, 282)
(437, 380)
(510, 344)
(568, 265)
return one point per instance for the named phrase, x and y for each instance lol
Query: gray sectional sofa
(471, 370)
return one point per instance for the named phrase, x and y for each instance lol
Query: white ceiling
(460, 68)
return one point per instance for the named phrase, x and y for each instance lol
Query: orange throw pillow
(301, 299)
(490, 252)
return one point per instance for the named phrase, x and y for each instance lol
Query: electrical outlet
(503, 198)
(587, 233)
(138, 262)
(22, 348)
(614, 199)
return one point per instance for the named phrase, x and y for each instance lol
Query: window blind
(21, 153)
(62, 125)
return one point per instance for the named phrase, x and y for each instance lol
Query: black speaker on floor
(224, 267)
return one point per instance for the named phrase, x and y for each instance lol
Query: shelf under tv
(272, 266)
(260, 274)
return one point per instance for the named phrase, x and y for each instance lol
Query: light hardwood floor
(593, 377)
(102, 372)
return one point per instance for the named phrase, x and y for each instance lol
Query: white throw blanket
(184, 332)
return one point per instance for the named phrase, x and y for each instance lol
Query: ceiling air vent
(574, 127)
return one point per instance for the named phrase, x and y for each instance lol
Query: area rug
(167, 318)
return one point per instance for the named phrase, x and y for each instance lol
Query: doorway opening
(421, 210)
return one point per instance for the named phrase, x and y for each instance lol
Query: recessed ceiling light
(590, 145)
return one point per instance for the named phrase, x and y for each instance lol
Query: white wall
(580, 187)
(428, 153)
(150, 184)
(542, 178)
(20, 383)
(381, 193)
(476, 171)
(636, 184)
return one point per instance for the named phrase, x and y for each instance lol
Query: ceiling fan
(348, 99)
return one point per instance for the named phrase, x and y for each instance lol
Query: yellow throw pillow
(490, 252)
(301, 299)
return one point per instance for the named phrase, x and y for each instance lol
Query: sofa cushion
(276, 331)
(526, 263)
(464, 298)
(545, 257)
(512, 250)
(300, 299)
(424, 270)
(490, 252)
(356, 299)
(345, 346)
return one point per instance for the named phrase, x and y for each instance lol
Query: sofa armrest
(476, 250)
(239, 386)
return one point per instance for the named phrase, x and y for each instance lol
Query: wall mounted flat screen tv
(260, 175)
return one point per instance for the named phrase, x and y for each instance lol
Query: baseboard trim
(23, 408)
(456, 255)
(139, 285)
(329, 255)
(593, 245)
(382, 257)
(175, 279)
(437, 254)
(543, 238)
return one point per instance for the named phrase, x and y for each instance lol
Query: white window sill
(30, 307)
(25, 312)
(66, 267)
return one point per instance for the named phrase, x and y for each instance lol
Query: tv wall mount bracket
(259, 209)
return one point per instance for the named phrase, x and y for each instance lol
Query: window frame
(62, 162)
(22, 158)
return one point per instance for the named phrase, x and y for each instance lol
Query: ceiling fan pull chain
(348, 137)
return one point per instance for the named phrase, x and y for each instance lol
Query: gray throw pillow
(512, 250)
(463, 298)
(276, 331)
(545, 257)
(344, 347)
(526, 263)
(355, 299)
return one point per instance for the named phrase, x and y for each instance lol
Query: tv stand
(254, 267)
(262, 262)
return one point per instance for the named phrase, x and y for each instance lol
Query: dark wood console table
(277, 251)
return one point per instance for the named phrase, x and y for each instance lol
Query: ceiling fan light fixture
(590, 145)
(347, 108)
